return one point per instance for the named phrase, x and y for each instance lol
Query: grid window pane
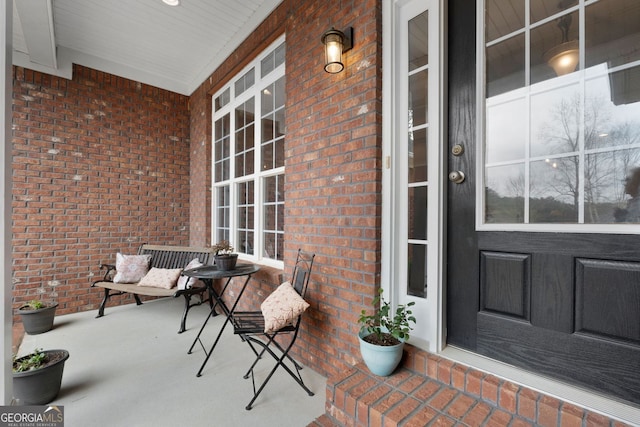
(504, 194)
(418, 98)
(221, 148)
(419, 41)
(505, 65)
(417, 271)
(607, 28)
(503, 17)
(244, 138)
(223, 213)
(274, 215)
(418, 155)
(418, 213)
(250, 218)
(245, 220)
(272, 149)
(245, 82)
(223, 99)
(564, 146)
(273, 60)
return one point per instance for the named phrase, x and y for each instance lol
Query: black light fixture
(335, 44)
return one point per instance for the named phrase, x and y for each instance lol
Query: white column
(6, 17)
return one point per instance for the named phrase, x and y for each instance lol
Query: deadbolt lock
(457, 150)
(456, 177)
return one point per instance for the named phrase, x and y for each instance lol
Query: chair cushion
(131, 268)
(282, 307)
(165, 278)
(185, 282)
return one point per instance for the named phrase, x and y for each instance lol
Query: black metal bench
(161, 257)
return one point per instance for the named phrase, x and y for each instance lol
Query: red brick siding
(333, 165)
(100, 165)
(333, 174)
(345, 153)
(200, 168)
(413, 396)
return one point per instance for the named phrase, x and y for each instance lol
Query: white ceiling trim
(36, 23)
(174, 48)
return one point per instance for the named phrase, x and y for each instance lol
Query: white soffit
(174, 48)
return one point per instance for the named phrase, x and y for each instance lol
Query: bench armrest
(108, 275)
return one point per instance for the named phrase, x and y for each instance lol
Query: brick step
(429, 390)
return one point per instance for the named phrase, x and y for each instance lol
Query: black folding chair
(250, 326)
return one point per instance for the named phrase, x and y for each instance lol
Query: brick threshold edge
(427, 390)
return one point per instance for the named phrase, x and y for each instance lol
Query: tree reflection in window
(565, 149)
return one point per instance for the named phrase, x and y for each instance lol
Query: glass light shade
(333, 40)
(563, 58)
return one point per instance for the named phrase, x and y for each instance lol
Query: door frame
(429, 333)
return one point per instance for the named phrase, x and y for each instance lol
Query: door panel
(584, 301)
(504, 284)
(563, 305)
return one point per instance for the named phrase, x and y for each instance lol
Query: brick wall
(333, 173)
(100, 165)
(99, 138)
(333, 170)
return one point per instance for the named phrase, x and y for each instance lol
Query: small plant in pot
(37, 377)
(37, 316)
(383, 334)
(225, 258)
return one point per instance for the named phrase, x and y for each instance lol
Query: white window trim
(258, 175)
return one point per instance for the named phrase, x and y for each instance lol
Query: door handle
(456, 177)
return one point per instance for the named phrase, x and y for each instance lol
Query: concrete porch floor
(131, 368)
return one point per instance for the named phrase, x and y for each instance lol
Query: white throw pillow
(165, 278)
(282, 307)
(131, 268)
(185, 282)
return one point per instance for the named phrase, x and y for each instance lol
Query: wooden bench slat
(133, 288)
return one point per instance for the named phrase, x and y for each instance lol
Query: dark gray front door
(564, 305)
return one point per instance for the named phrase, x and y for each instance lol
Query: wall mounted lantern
(335, 44)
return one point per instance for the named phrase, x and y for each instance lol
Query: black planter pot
(226, 262)
(38, 321)
(40, 386)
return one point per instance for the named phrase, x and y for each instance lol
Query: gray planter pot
(40, 386)
(38, 321)
(226, 262)
(381, 360)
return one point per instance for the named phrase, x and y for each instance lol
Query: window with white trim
(561, 102)
(248, 159)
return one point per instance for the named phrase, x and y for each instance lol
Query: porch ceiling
(174, 48)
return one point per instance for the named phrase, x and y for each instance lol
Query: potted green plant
(224, 256)
(37, 377)
(383, 334)
(37, 316)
